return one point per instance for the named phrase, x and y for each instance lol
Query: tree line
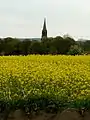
(57, 45)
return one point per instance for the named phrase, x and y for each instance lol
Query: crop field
(62, 80)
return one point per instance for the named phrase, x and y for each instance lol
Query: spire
(44, 26)
(44, 31)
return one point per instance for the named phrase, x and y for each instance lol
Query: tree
(66, 36)
(8, 45)
(36, 48)
(62, 45)
(46, 44)
(57, 44)
(75, 50)
(53, 50)
(24, 47)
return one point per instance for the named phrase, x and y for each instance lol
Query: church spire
(44, 26)
(44, 31)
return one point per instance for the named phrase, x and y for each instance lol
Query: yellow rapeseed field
(57, 77)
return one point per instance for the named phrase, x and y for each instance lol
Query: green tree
(8, 45)
(46, 45)
(36, 48)
(75, 50)
(62, 45)
(24, 47)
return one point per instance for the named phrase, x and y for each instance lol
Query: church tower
(44, 31)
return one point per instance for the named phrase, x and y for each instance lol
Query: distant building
(44, 31)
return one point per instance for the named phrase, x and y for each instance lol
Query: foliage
(85, 45)
(75, 50)
(57, 45)
(38, 81)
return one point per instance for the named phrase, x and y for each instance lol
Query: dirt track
(69, 114)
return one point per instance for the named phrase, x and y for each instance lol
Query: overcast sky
(24, 18)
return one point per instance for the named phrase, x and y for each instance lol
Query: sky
(24, 18)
